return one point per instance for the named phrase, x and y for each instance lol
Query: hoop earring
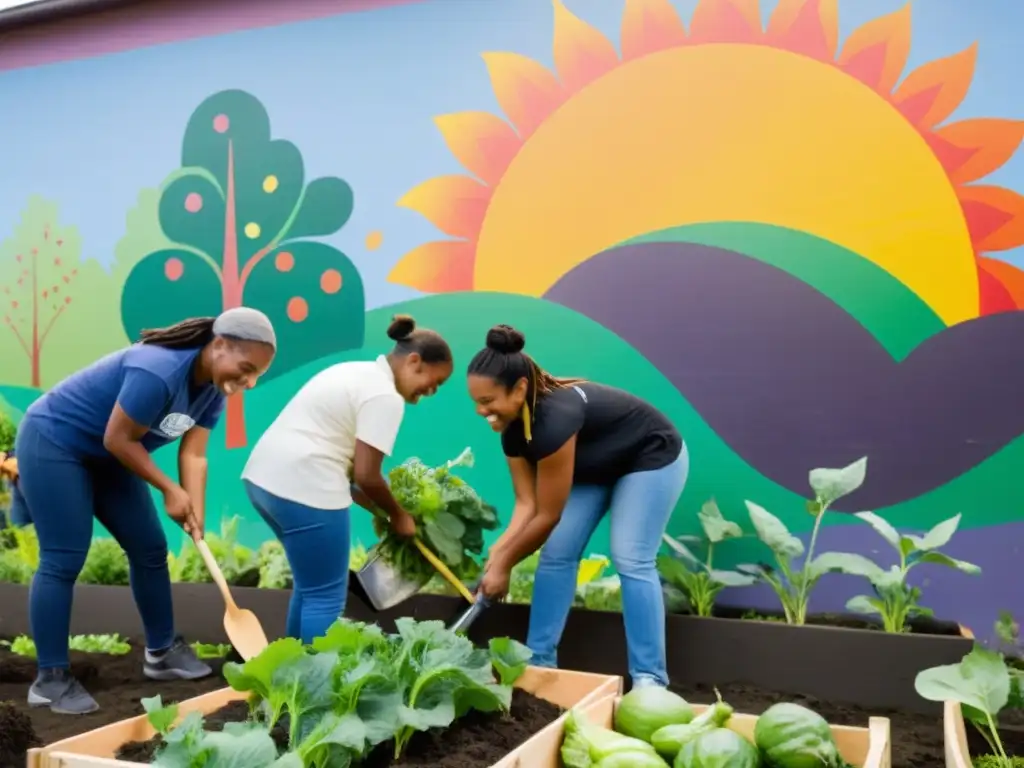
(525, 415)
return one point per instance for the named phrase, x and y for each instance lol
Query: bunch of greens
(895, 600)
(111, 645)
(353, 689)
(792, 583)
(450, 519)
(238, 562)
(696, 577)
(981, 683)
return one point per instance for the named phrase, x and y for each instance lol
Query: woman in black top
(576, 451)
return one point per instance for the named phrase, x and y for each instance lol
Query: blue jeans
(316, 542)
(63, 493)
(640, 505)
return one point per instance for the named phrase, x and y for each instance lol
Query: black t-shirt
(616, 433)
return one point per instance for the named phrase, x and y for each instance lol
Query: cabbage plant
(793, 583)
(980, 683)
(894, 600)
(696, 577)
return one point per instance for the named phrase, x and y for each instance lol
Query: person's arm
(524, 485)
(140, 402)
(192, 473)
(554, 483)
(377, 426)
(360, 498)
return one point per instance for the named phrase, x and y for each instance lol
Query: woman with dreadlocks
(576, 451)
(83, 452)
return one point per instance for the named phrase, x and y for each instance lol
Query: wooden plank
(868, 747)
(96, 748)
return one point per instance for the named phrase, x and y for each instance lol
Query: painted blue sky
(92, 133)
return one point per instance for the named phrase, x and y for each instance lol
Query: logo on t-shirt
(175, 425)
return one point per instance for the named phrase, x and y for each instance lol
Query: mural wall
(791, 230)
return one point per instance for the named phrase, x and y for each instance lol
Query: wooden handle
(216, 572)
(444, 570)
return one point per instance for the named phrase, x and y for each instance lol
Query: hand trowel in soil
(241, 626)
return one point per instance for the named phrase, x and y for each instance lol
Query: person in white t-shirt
(324, 451)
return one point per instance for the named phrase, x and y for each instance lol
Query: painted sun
(726, 120)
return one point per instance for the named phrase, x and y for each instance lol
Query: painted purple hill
(791, 381)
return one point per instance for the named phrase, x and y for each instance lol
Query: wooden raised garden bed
(963, 741)
(861, 747)
(97, 748)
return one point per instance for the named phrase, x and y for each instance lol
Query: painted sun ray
(877, 52)
(1010, 277)
(931, 92)
(994, 296)
(726, 21)
(649, 26)
(995, 217)
(483, 143)
(441, 266)
(525, 89)
(982, 145)
(810, 27)
(582, 52)
(454, 204)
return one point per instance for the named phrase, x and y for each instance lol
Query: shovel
(241, 625)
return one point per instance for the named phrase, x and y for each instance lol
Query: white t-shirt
(306, 454)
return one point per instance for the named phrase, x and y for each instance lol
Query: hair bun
(505, 339)
(401, 327)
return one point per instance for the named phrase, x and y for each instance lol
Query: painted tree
(239, 214)
(40, 271)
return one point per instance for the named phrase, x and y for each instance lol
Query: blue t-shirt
(152, 384)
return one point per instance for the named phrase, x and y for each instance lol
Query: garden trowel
(241, 625)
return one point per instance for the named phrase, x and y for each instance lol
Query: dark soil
(917, 626)
(476, 741)
(116, 682)
(17, 735)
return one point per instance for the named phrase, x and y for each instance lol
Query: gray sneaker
(179, 662)
(61, 692)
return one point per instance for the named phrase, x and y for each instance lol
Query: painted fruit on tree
(240, 214)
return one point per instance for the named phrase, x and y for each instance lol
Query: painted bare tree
(40, 271)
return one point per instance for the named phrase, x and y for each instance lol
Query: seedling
(895, 600)
(980, 683)
(793, 586)
(697, 578)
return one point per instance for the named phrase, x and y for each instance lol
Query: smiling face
(495, 402)
(235, 366)
(415, 378)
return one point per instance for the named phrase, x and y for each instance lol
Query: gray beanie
(246, 324)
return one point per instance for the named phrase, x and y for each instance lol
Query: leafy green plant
(980, 683)
(106, 564)
(351, 690)
(895, 600)
(111, 645)
(450, 518)
(211, 650)
(696, 577)
(8, 429)
(1008, 634)
(793, 584)
(235, 560)
(20, 559)
(275, 570)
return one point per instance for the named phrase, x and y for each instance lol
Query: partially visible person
(17, 511)
(84, 452)
(324, 451)
(577, 451)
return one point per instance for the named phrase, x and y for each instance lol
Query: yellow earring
(527, 432)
